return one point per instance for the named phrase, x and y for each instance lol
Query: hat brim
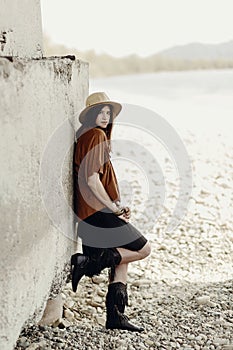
(115, 105)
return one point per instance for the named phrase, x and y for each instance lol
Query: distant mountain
(198, 51)
(187, 57)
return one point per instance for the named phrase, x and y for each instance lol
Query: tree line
(102, 65)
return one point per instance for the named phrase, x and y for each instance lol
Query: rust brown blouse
(91, 155)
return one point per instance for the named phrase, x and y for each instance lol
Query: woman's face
(103, 117)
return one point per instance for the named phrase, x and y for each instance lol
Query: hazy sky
(122, 27)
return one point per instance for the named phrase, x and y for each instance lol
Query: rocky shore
(182, 293)
(184, 317)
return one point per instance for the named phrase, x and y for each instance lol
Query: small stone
(101, 293)
(121, 342)
(33, 346)
(190, 315)
(141, 282)
(162, 247)
(147, 295)
(197, 347)
(173, 344)
(203, 300)
(23, 342)
(64, 323)
(220, 341)
(88, 311)
(100, 320)
(144, 335)
(98, 279)
(94, 303)
(98, 299)
(69, 304)
(63, 296)
(157, 343)
(69, 315)
(220, 321)
(130, 347)
(191, 337)
(166, 312)
(211, 304)
(39, 345)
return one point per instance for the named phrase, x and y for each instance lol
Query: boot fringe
(121, 299)
(116, 299)
(104, 258)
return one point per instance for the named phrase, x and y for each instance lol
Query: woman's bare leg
(128, 256)
(121, 273)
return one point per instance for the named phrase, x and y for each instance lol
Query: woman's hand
(126, 215)
(122, 217)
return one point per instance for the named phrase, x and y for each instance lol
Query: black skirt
(104, 229)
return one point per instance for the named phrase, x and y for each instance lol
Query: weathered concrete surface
(36, 96)
(53, 311)
(20, 28)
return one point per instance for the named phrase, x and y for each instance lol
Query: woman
(102, 219)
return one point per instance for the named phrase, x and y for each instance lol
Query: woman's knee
(146, 250)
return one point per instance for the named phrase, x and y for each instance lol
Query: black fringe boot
(116, 300)
(92, 262)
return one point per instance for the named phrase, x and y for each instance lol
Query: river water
(198, 101)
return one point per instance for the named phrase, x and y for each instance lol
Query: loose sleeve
(95, 156)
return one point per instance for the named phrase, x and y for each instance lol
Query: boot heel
(72, 263)
(73, 259)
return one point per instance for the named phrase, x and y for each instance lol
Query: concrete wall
(36, 96)
(39, 104)
(20, 28)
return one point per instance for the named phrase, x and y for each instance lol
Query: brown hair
(90, 122)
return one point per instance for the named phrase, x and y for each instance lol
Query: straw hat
(96, 99)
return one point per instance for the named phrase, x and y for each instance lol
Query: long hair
(90, 119)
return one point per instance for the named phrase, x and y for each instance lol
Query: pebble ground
(181, 293)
